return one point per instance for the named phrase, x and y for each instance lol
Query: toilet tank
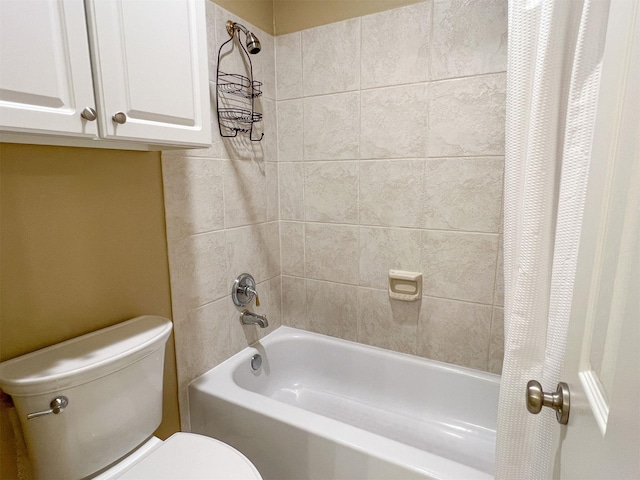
(112, 379)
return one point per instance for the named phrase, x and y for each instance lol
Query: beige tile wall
(383, 149)
(390, 148)
(222, 211)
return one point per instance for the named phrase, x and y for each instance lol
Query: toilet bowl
(88, 408)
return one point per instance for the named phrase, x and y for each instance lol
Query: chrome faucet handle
(252, 292)
(57, 405)
(244, 290)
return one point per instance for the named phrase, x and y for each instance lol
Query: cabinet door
(45, 69)
(150, 67)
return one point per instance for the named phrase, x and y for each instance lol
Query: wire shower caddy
(239, 92)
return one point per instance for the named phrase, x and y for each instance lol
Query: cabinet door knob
(120, 118)
(89, 114)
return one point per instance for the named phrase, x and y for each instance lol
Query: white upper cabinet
(45, 69)
(149, 65)
(143, 61)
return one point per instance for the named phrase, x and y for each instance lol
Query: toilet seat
(192, 456)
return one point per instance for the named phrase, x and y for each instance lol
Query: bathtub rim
(283, 332)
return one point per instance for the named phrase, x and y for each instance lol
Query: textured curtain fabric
(553, 72)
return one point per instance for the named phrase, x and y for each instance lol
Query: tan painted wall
(82, 246)
(258, 12)
(278, 17)
(295, 15)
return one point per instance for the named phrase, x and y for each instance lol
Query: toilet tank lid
(85, 358)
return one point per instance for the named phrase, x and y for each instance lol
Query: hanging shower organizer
(235, 96)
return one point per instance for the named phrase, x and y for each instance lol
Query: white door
(602, 366)
(150, 65)
(45, 69)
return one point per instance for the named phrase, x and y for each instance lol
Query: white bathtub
(324, 408)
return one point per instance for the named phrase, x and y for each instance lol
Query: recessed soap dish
(405, 286)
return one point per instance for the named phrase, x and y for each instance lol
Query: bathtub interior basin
(429, 419)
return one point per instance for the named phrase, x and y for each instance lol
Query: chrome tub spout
(249, 318)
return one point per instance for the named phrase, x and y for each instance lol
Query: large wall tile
(395, 46)
(267, 148)
(466, 116)
(275, 300)
(332, 309)
(253, 249)
(288, 66)
(291, 180)
(245, 187)
(217, 147)
(198, 267)
(212, 43)
(463, 194)
(268, 60)
(270, 294)
(387, 323)
(469, 38)
(332, 127)
(272, 192)
(459, 265)
(498, 296)
(384, 249)
(393, 122)
(391, 193)
(202, 342)
(331, 192)
(292, 248)
(496, 343)
(331, 58)
(290, 139)
(331, 252)
(272, 240)
(454, 332)
(193, 195)
(294, 302)
(203, 339)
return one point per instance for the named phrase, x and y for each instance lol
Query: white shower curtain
(553, 76)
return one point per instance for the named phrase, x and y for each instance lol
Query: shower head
(252, 42)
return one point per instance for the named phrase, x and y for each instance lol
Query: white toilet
(89, 406)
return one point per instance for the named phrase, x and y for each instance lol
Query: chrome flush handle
(57, 405)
